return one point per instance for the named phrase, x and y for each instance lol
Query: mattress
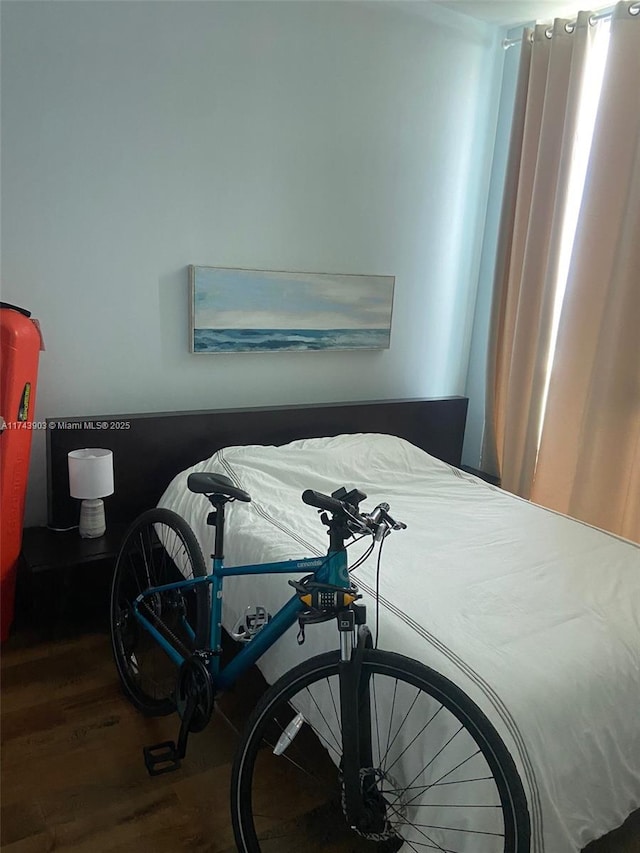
(534, 615)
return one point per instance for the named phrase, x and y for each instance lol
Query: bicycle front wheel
(443, 775)
(159, 548)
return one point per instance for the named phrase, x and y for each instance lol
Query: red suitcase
(21, 343)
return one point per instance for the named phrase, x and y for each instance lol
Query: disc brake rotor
(397, 808)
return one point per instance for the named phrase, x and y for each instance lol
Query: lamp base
(92, 521)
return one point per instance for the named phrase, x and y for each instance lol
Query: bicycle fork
(363, 805)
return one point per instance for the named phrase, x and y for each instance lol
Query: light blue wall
(477, 375)
(140, 137)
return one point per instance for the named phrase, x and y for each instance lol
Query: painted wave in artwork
(275, 340)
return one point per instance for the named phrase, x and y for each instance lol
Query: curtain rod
(601, 15)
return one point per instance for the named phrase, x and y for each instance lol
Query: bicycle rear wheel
(446, 780)
(159, 548)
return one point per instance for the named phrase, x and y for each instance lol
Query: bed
(535, 616)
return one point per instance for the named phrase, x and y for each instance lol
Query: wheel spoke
(393, 705)
(424, 728)
(444, 776)
(338, 742)
(405, 717)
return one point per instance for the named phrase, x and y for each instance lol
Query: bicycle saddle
(215, 484)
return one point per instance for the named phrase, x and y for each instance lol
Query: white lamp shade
(90, 473)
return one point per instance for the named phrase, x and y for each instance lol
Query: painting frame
(235, 310)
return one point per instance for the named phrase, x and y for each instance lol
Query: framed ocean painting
(238, 310)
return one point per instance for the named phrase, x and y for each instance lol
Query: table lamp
(90, 480)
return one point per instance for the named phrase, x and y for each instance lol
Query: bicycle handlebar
(378, 521)
(320, 501)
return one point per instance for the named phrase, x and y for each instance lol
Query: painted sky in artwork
(249, 299)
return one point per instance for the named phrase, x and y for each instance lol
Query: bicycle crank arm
(194, 699)
(166, 757)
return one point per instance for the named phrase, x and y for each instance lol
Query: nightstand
(64, 582)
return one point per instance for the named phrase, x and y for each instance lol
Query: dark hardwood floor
(73, 778)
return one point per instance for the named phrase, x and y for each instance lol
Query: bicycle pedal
(161, 758)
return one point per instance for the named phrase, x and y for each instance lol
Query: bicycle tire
(158, 548)
(257, 832)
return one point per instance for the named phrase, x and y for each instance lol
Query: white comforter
(534, 615)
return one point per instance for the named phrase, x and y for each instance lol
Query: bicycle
(353, 749)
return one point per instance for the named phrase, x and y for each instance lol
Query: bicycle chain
(184, 651)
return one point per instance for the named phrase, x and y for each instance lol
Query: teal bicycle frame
(330, 569)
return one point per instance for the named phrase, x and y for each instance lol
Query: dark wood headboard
(150, 449)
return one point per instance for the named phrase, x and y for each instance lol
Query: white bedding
(534, 615)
